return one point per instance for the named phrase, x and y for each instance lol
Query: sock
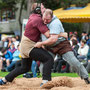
(4, 79)
(44, 81)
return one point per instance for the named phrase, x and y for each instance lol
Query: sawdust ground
(57, 83)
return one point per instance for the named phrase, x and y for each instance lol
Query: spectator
(17, 38)
(88, 58)
(34, 68)
(69, 35)
(14, 60)
(72, 36)
(7, 57)
(76, 33)
(75, 47)
(5, 43)
(83, 50)
(63, 66)
(15, 42)
(84, 34)
(1, 45)
(88, 41)
(9, 39)
(12, 48)
(56, 61)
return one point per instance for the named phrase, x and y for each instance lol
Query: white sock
(44, 81)
(4, 79)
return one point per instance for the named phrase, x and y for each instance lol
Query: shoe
(44, 82)
(2, 82)
(24, 75)
(3, 70)
(87, 80)
(28, 75)
(41, 84)
(54, 71)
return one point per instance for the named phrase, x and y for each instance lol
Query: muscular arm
(63, 34)
(51, 40)
(47, 34)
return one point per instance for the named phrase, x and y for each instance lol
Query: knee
(7, 61)
(25, 69)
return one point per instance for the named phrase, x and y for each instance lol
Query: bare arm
(64, 34)
(47, 34)
(51, 40)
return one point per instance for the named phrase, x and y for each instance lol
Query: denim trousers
(10, 67)
(34, 68)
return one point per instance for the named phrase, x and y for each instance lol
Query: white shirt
(84, 50)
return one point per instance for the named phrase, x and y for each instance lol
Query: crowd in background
(81, 49)
(10, 54)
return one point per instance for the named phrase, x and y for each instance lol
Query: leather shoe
(87, 80)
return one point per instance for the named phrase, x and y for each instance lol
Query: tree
(54, 4)
(20, 14)
(8, 4)
(12, 4)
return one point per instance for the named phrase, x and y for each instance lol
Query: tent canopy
(74, 15)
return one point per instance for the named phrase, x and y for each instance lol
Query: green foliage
(8, 4)
(3, 74)
(54, 4)
(64, 74)
(80, 2)
(71, 27)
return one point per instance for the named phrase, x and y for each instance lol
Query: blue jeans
(81, 58)
(34, 68)
(11, 66)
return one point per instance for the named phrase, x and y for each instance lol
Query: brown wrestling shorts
(61, 48)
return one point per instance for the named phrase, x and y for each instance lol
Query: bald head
(47, 16)
(48, 12)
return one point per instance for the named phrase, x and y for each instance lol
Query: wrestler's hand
(65, 35)
(38, 44)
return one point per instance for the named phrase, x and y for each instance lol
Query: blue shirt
(16, 55)
(8, 55)
(88, 42)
